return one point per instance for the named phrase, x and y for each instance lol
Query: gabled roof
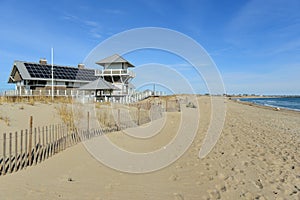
(116, 58)
(18, 66)
(37, 71)
(99, 84)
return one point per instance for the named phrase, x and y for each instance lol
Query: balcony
(115, 72)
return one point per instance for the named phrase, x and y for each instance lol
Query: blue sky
(255, 44)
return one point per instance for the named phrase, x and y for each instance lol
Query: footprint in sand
(259, 184)
(174, 177)
(221, 188)
(248, 195)
(245, 163)
(178, 167)
(215, 194)
(178, 196)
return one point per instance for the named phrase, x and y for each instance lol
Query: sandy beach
(256, 157)
(15, 116)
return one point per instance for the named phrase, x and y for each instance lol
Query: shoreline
(269, 107)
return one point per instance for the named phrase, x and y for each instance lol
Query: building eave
(116, 58)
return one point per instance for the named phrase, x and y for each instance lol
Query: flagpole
(52, 79)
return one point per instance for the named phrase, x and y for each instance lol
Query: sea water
(292, 103)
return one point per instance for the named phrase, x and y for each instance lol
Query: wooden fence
(34, 145)
(29, 147)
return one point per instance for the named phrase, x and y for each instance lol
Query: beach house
(116, 70)
(34, 78)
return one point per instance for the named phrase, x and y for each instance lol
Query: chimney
(43, 61)
(81, 66)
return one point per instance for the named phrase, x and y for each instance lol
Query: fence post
(62, 137)
(76, 136)
(34, 148)
(51, 139)
(39, 146)
(9, 152)
(70, 131)
(72, 139)
(88, 120)
(119, 122)
(139, 115)
(166, 105)
(16, 150)
(56, 138)
(67, 133)
(26, 149)
(47, 144)
(59, 138)
(73, 136)
(21, 149)
(30, 140)
(43, 146)
(4, 154)
(67, 136)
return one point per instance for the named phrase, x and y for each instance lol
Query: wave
(285, 103)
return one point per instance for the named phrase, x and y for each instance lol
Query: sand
(18, 115)
(256, 157)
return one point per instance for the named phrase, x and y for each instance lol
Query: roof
(116, 58)
(99, 84)
(37, 71)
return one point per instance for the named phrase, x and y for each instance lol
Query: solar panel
(60, 72)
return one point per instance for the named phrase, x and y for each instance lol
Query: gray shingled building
(29, 76)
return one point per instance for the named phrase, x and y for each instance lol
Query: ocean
(292, 103)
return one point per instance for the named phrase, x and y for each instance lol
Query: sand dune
(18, 115)
(256, 157)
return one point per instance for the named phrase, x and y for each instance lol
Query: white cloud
(93, 27)
(90, 23)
